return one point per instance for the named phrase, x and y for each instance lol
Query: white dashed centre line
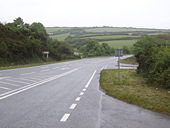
(78, 99)
(87, 85)
(81, 93)
(73, 106)
(84, 89)
(65, 117)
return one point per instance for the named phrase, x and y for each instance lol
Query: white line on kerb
(73, 106)
(65, 117)
(87, 85)
(84, 89)
(5, 88)
(78, 99)
(16, 91)
(81, 93)
(27, 73)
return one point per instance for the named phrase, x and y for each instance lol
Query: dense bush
(22, 43)
(153, 56)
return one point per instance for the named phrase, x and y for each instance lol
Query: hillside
(116, 37)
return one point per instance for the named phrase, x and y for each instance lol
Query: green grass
(130, 60)
(116, 29)
(60, 37)
(133, 89)
(109, 37)
(119, 43)
(54, 29)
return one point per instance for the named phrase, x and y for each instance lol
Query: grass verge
(133, 89)
(130, 60)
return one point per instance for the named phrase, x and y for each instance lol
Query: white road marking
(84, 89)
(35, 78)
(5, 88)
(78, 99)
(16, 91)
(27, 73)
(87, 85)
(45, 70)
(73, 106)
(102, 68)
(55, 67)
(24, 79)
(81, 93)
(65, 117)
(17, 81)
(8, 83)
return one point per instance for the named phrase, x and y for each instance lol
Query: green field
(116, 37)
(110, 37)
(53, 29)
(60, 37)
(120, 43)
(116, 29)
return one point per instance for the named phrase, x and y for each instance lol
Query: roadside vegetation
(149, 85)
(130, 60)
(153, 56)
(21, 43)
(134, 89)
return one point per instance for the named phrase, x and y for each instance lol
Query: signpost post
(118, 53)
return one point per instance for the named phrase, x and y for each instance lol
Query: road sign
(118, 52)
(45, 52)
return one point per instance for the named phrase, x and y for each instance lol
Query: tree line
(22, 43)
(153, 56)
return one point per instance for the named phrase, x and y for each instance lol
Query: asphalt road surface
(67, 95)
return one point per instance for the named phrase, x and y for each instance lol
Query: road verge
(132, 88)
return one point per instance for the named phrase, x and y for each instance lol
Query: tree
(38, 31)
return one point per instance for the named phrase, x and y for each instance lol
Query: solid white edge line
(87, 85)
(65, 117)
(73, 106)
(16, 91)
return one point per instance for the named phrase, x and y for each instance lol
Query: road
(67, 95)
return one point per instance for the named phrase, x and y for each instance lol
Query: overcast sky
(117, 13)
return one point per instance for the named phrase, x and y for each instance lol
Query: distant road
(62, 95)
